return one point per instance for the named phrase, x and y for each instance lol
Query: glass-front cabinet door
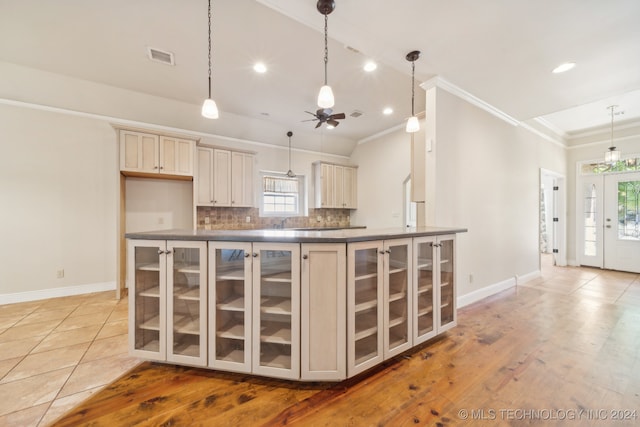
(147, 298)
(276, 309)
(446, 281)
(186, 271)
(424, 326)
(364, 305)
(397, 296)
(230, 306)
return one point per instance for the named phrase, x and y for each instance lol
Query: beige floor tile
(111, 329)
(9, 321)
(97, 373)
(58, 303)
(45, 316)
(8, 364)
(39, 329)
(11, 349)
(32, 391)
(66, 338)
(98, 307)
(107, 347)
(26, 417)
(19, 309)
(47, 361)
(61, 406)
(81, 321)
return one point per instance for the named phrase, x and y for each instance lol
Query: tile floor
(55, 353)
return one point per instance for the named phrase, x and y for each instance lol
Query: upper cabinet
(147, 153)
(224, 178)
(335, 186)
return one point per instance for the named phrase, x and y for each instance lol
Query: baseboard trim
(56, 292)
(487, 291)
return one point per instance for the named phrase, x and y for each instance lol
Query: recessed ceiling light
(259, 67)
(370, 66)
(387, 111)
(564, 67)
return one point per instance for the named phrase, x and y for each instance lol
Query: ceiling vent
(356, 114)
(160, 56)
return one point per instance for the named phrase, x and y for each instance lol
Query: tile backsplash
(211, 218)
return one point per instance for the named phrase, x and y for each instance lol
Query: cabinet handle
(387, 251)
(155, 167)
(381, 252)
(247, 254)
(160, 251)
(305, 256)
(161, 167)
(255, 255)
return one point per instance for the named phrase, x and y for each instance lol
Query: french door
(610, 221)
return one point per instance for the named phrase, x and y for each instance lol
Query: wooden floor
(540, 354)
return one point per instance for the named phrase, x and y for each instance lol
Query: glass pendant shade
(210, 109)
(413, 125)
(325, 97)
(612, 156)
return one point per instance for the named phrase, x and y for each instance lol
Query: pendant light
(290, 173)
(325, 96)
(209, 108)
(612, 155)
(413, 125)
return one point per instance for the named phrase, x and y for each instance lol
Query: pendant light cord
(413, 85)
(611, 125)
(326, 48)
(209, 49)
(289, 153)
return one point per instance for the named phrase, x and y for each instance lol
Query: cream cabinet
(168, 300)
(224, 178)
(155, 154)
(323, 312)
(434, 305)
(398, 296)
(254, 308)
(335, 186)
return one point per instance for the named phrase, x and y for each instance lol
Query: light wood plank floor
(563, 349)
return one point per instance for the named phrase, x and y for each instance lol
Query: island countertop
(346, 235)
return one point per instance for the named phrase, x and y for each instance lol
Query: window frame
(301, 209)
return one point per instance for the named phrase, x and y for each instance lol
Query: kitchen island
(297, 304)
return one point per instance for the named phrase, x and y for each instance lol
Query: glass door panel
(424, 291)
(446, 270)
(230, 276)
(397, 297)
(187, 302)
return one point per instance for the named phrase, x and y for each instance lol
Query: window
(282, 195)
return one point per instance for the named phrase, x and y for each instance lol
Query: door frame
(558, 206)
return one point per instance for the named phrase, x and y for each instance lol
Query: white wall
(484, 175)
(58, 210)
(383, 165)
(158, 204)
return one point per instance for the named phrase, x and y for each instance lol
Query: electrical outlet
(318, 218)
(248, 219)
(471, 278)
(206, 220)
(60, 274)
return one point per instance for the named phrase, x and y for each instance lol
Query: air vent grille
(356, 113)
(160, 56)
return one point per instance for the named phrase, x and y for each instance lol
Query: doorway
(410, 208)
(552, 216)
(609, 219)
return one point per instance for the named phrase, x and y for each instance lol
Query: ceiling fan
(324, 115)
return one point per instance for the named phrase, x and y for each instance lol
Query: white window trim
(302, 196)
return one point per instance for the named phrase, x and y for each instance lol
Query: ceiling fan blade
(314, 115)
(337, 116)
(318, 125)
(333, 123)
(310, 120)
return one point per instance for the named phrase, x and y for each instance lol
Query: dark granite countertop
(343, 235)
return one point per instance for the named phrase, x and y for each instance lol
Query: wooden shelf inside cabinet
(366, 300)
(233, 355)
(366, 270)
(445, 305)
(187, 325)
(233, 304)
(424, 265)
(398, 270)
(275, 360)
(152, 324)
(425, 288)
(424, 311)
(233, 331)
(154, 266)
(397, 296)
(189, 294)
(396, 341)
(444, 261)
(366, 326)
(185, 349)
(277, 277)
(151, 292)
(276, 332)
(366, 350)
(275, 305)
(443, 284)
(150, 346)
(397, 321)
(230, 274)
(186, 268)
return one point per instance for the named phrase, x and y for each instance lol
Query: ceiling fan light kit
(413, 125)
(209, 107)
(325, 96)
